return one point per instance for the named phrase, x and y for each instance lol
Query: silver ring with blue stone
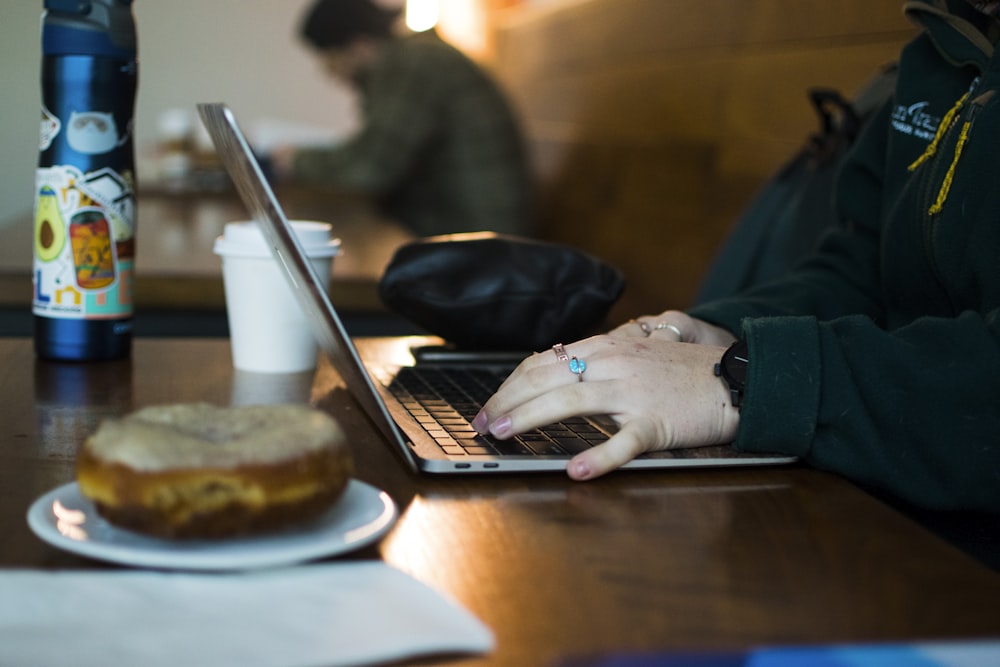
(577, 366)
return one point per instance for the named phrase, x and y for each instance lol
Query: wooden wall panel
(765, 103)
(652, 122)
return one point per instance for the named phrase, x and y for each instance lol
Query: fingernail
(580, 469)
(501, 428)
(479, 423)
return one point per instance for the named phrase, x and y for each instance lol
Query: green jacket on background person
(893, 377)
(440, 147)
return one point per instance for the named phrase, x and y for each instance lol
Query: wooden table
(638, 561)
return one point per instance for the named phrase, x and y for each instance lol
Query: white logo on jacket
(914, 120)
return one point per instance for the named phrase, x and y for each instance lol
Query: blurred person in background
(440, 149)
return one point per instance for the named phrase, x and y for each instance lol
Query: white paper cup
(268, 331)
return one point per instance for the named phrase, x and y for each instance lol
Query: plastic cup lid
(245, 239)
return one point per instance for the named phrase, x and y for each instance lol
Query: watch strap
(732, 368)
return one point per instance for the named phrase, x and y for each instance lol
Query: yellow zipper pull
(942, 128)
(946, 183)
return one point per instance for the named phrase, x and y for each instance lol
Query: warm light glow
(463, 23)
(421, 15)
(422, 538)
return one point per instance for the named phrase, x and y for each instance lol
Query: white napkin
(347, 613)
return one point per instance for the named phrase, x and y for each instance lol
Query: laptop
(423, 410)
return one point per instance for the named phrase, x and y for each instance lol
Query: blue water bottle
(85, 213)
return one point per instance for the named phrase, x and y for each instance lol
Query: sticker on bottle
(93, 252)
(84, 238)
(49, 129)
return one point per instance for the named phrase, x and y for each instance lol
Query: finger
(669, 330)
(533, 380)
(637, 328)
(634, 438)
(555, 406)
(541, 372)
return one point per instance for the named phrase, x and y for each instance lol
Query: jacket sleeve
(911, 410)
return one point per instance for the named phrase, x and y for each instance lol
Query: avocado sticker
(50, 229)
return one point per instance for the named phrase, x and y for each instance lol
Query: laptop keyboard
(446, 400)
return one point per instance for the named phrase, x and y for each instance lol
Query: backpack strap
(794, 208)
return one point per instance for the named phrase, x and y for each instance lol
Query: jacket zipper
(933, 217)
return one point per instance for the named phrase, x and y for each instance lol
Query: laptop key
(480, 451)
(543, 446)
(573, 445)
(512, 448)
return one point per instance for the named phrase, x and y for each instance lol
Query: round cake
(202, 471)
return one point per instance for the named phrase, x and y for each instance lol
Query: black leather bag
(489, 291)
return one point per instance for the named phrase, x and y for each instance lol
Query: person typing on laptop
(879, 357)
(424, 409)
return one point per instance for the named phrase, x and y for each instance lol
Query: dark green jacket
(879, 357)
(440, 147)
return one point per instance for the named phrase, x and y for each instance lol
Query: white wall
(19, 104)
(243, 52)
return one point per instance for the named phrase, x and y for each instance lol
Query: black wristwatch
(732, 368)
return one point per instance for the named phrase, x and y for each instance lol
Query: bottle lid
(89, 27)
(245, 239)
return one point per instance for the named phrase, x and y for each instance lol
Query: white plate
(67, 520)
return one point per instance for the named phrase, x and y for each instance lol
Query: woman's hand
(677, 326)
(663, 394)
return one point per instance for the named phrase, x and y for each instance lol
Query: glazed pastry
(201, 471)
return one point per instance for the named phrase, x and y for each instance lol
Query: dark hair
(336, 23)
